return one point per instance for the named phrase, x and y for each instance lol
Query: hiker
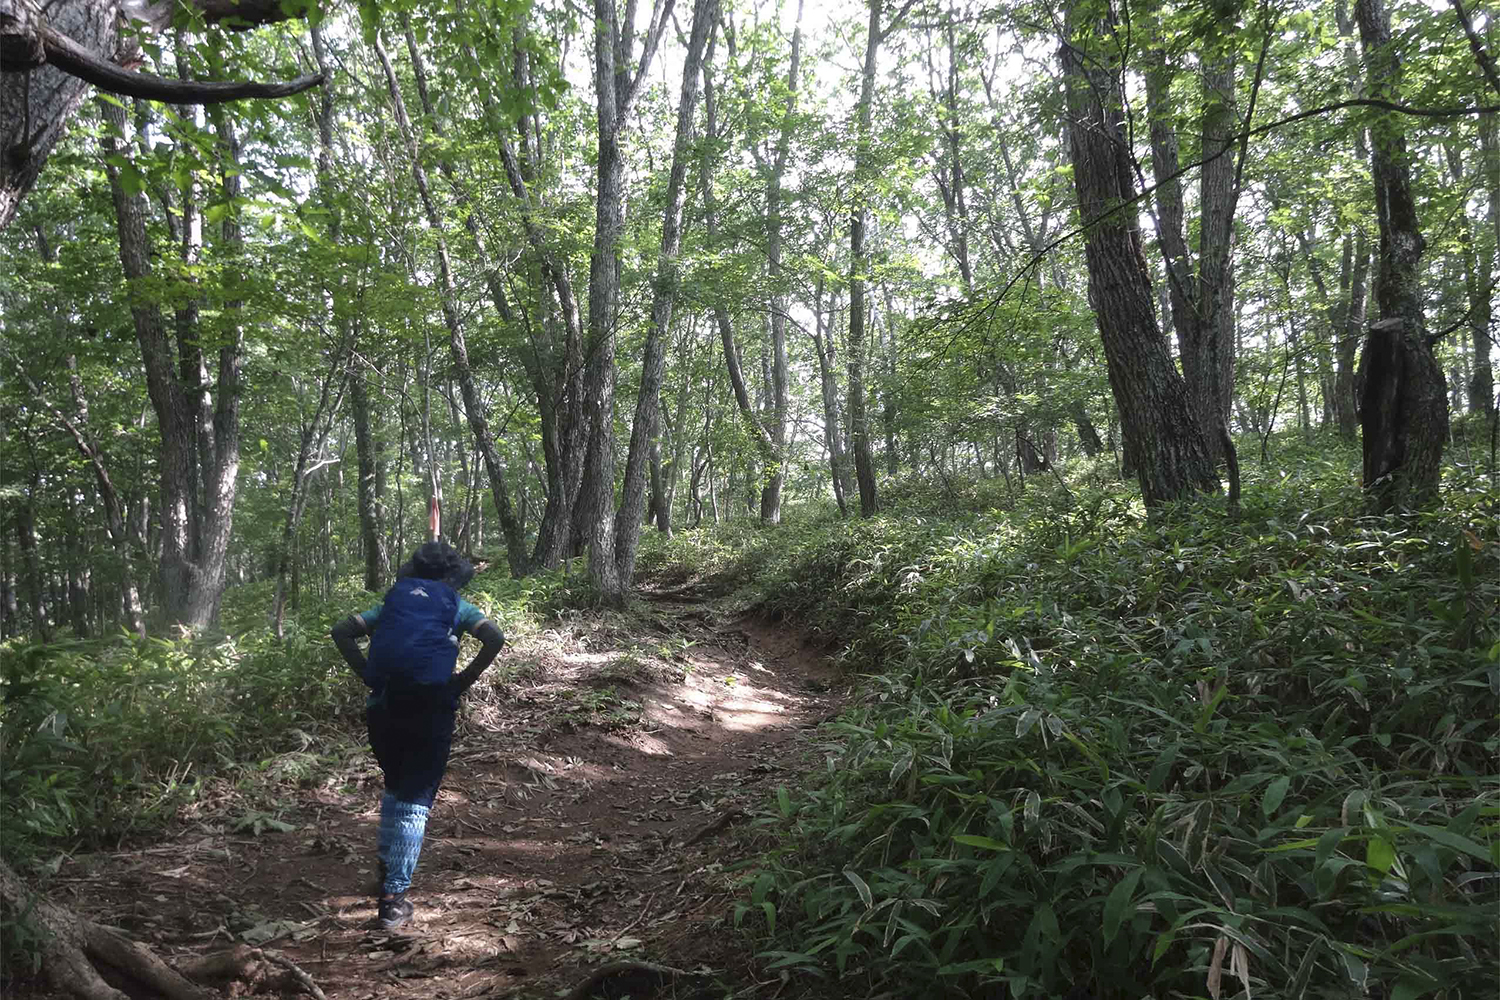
(414, 695)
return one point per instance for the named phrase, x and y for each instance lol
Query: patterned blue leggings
(411, 733)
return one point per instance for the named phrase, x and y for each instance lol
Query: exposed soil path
(587, 818)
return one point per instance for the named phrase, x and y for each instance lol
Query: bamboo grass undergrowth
(1098, 755)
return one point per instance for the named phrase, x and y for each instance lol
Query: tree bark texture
(1202, 297)
(1481, 386)
(617, 87)
(1404, 404)
(644, 428)
(193, 549)
(1164, 439)
(43, 52)
(864, 168)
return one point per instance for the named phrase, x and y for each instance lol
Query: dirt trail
(583, 820)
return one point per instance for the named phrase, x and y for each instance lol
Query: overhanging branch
(72, 58)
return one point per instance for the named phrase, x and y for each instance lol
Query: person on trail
(414, 633)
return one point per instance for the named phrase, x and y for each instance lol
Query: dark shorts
(411, 732)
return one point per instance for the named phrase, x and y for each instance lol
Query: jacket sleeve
(345, 636)
(493, 640)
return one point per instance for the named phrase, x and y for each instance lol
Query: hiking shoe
(394, 911)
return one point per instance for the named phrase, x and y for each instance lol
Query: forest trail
(582, 822)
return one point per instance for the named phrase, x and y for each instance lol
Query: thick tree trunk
(175, 461)
(1404, 405)
(1164, 439)
(36, 105)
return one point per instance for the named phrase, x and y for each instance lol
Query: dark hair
(438, 561)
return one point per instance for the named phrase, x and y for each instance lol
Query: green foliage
(108, 738)
(1149, 759)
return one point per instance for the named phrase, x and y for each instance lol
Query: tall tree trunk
(371, 519)
(643, 430)
(314, 434)
(175, 461)
(616, 89)
(1481, 387)
(369, 485)
(775, 476)
(828, 380)
(1201, 300)
(515, 541)
(1164, 439)
(864, 179)
(765, 444)
(1350, 333)
(219, 444)
(1404, 406)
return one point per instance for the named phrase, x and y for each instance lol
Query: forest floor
(593, 812)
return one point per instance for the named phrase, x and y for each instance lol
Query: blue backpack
(415, 639)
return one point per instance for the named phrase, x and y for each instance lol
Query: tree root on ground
(77, 955)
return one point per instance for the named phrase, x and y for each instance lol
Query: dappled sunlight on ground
(586, 816)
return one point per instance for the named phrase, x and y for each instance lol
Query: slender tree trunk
(1404, 403)
(775, 477)
(31, 564)
(515, 541)
(1350, 333)
(828, 381)
(1164, 440)
(1481, 387)
(643, 433)
(314, 435)
(77, 427)
(864, 171)
(1201, 301)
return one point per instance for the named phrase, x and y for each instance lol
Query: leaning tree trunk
(1164, 439)
(1404, 405)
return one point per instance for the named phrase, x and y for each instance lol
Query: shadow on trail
(578, 842)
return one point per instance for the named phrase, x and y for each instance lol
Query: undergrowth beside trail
(110, 738)
(1095, 755)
